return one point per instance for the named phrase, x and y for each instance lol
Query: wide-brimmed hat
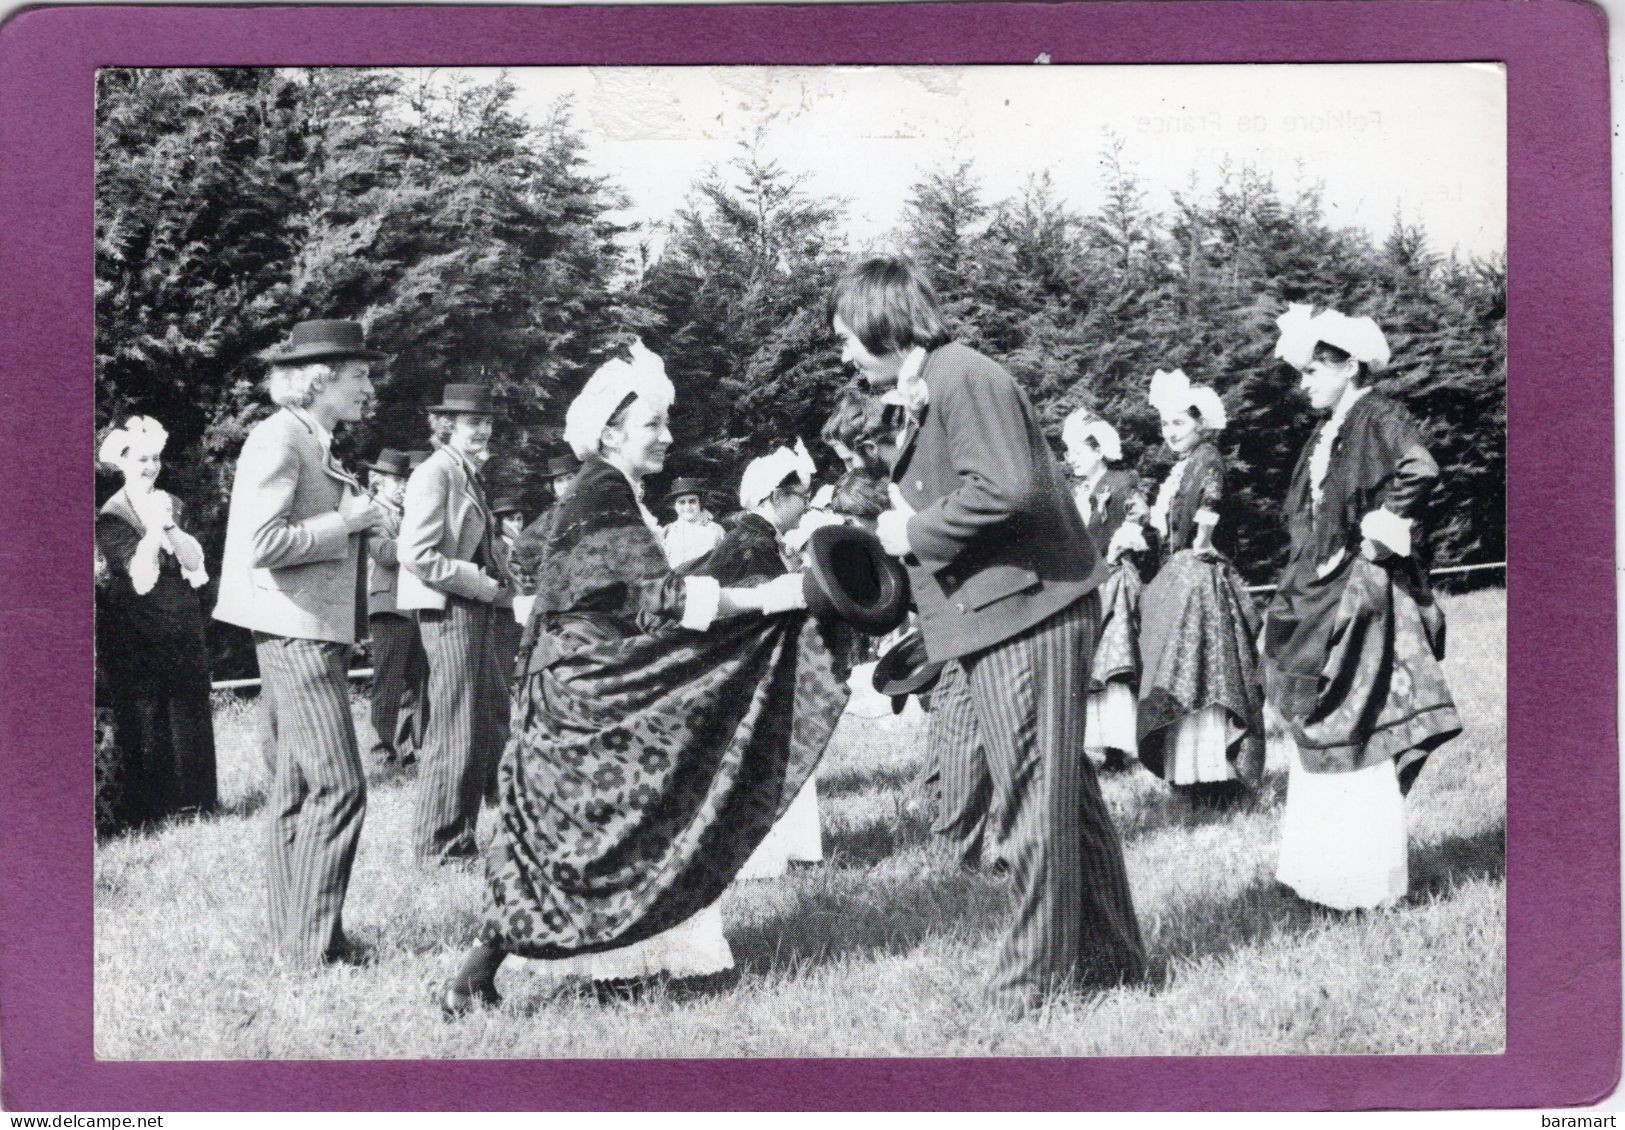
(508, 504)
(392, 462)
(851, 577)
(906, 669)
(326, 339)
(473, 399)
(561, 465)
(684, 486)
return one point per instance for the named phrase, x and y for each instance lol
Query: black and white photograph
(800, 561)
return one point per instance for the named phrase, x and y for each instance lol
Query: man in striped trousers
(1004, 577)
(293, 538)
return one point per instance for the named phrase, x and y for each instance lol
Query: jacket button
(961, 607)
(918, 485)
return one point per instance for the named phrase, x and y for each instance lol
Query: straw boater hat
(391, 462)
(326, 339)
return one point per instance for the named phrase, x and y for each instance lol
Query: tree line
(477, 245)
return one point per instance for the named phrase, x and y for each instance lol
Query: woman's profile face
(140, 467)
(1083, 457)
(642, 439)
(1180, 431)
(1325, 381)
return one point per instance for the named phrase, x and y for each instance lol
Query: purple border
(1563, 1035)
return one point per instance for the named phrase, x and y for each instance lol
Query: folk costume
(652, 749)
(1106, 500)
(750, 553)
(453, 576)
(152, 646)
(289, 574)
(1352, 645)
(1004, 577)
(400, 667)
(1201, 708)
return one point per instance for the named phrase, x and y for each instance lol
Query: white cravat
(1320, 460)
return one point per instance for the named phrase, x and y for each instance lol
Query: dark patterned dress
(647, 760)
(155, 657)
(1201, 709)
(1352, 650)
(1114, 671)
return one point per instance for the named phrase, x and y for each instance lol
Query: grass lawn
(881, 951)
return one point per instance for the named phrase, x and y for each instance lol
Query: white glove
(782, 594)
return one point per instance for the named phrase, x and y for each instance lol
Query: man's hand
(365, 516)
(892, 525)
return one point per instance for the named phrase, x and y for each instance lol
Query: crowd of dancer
(646, 705)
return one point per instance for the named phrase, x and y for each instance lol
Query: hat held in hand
(851, 577)
(905, 669)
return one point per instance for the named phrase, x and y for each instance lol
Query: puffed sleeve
(128, 552)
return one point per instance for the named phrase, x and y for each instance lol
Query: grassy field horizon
(879, 951)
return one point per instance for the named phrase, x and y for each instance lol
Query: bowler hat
(392, 462)
(561, 465)
(851, 577)
(906, 669)
(508, 504)
(474, 399)
(326, 339)
(684, 486)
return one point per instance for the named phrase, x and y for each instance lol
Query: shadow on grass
(876, 840)
(1268, 910)
(1167, 808)
(850, 780)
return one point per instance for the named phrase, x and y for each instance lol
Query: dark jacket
(1201, 488)
(998, 543)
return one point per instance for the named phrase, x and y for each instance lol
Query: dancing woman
(660, 726)
(1353, 637)
(1201, 724)
(1113, 509)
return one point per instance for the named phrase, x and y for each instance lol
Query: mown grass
(881, 951)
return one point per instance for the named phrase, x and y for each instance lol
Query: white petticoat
(798, 836)
(1194, 748)
(693, 948)
(1109, 720)
(1343, 840)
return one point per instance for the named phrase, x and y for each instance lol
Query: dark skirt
(1198, 640)
(1117, 649)
(1353, 666)
(642, 772)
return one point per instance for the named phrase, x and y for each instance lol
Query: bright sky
(1426, 139)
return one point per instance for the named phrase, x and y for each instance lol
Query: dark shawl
(747, 554)
(1352, 655)
(646, 761)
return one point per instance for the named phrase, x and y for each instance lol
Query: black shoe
(455, 1002)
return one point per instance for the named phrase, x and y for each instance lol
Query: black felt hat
(326, 339)
(470, 399)
(508, 504)
(906, 669)
(392, 462)
(561, 465)
(851, 577)
(685, 486)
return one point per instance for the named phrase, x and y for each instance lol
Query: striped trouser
(1073, 919)
(397, 664)
(318, 792)
(956, 780)
(468, 725)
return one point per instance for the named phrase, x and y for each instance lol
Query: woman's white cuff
(1206, 517)
(1389, 529)
(144, 563)
(701, 598)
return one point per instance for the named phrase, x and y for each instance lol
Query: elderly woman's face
(641, 440)
(1180, 431)
(140, 467)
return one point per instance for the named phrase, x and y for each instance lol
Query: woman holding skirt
(1113, 509)
(1353, 637)
(661, 723)
(1201, 724)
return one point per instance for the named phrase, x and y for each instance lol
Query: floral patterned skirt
(1198, 633)
(1117, 648)
(642, 772)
